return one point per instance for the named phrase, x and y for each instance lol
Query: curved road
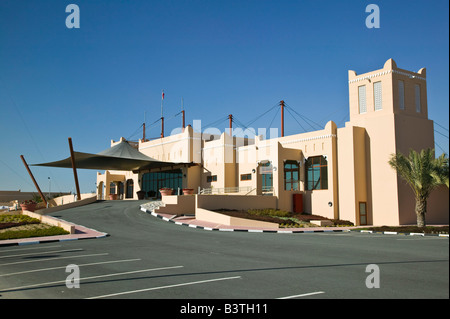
(145, 257)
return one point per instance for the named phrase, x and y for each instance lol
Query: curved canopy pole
(72, 158)
(34, 181)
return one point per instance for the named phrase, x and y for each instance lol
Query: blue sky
(222, 57)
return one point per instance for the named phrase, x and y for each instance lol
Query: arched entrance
(129, 188)
(100, 191)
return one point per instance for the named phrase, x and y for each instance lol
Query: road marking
(51, 258)
(303, 295)
(63, 267)
(43, 253)
(163, 287)
(423, 238)
(87, 278)
(45, 247)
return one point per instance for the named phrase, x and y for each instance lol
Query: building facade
(340, 173)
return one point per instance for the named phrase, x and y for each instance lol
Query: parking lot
(146, 257)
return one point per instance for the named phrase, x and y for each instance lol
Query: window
(246, 177)
(212, 178)
(316, 173)
(362, 213)
(377, 96)
(362, 99)
(266, 171)
(401, 95)
(291, 175)
(112, 188)
(417, 93)
(153, 182)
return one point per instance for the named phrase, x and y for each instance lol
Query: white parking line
(63, 267)
(87, 278)
(51, 258)
(43, 253)
(33, 248)
(164, 287)
(303, 295)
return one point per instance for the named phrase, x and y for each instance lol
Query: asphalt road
(145, 257)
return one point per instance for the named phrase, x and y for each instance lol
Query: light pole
(49, 186)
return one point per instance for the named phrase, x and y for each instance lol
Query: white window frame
(377, 96)
(417, 98)
(401, 94)
(362, 99)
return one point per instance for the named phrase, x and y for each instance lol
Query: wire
(29, 133)
(440, 147)
(440, 125)
(441, 134)
(270, 125)
(306, 119)
(296, 119)
(15, 172)
(258, 117)
(216, 122)
(135, 132)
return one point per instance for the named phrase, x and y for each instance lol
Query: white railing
(247, 190)
(267, 190)
(225, 190)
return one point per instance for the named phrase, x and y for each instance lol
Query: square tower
(390, 104)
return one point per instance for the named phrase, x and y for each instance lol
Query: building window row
(316, 169)
(291, 176)
(316, 174)
(377, 97)
(401, 96)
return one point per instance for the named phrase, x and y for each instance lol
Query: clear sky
(222, 57)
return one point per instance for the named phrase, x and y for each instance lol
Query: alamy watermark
(373, 279)
(373, 19)
(73, 19)
(73, 279)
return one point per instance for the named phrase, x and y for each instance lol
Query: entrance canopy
(120, 157)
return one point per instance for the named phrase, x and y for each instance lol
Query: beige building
(339, 173)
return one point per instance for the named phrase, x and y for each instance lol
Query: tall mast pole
(162, 117)
(282, 117)
(182, 112)
(143, 131)
(230, 117)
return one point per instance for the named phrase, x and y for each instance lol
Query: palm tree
(423, 173)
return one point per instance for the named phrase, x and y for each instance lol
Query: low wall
(67, 199)
(205, 203)
(217, 218)
(238, 202)
(178, 205)
(82, 202)
(51, 221)
(202, 206)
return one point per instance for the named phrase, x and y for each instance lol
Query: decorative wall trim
(368, 77)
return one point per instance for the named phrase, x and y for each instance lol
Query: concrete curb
(399, 233)
(244, 230)
(87, 233)
(287, 231)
